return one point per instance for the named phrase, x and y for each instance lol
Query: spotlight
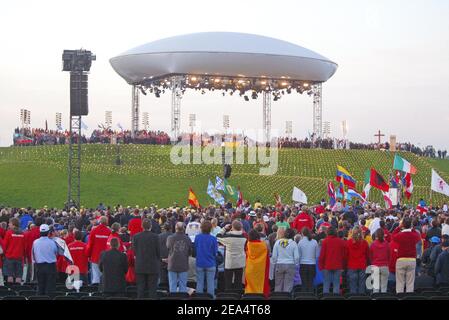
(157, 94)
(203, 92)
(223, 94)
(254, 95)
(246, 98)
(276, 98)
(305, 85)
(143, 91)
(289, 91)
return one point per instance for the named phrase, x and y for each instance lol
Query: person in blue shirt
(44, 255)
(422, 203)
(206, 248)
(25, 220)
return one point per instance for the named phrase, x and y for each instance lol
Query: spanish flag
(193, 200)
(257, 268)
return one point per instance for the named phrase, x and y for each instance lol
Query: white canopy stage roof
(224, 61)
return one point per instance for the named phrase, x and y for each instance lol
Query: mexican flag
(367, 188)
(403, 165)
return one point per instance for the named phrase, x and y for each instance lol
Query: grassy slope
(36, 176)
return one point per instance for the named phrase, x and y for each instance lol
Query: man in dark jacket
(148, 256)
(442, 266)
(114, 265)
(179, 249)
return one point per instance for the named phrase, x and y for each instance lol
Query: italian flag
(403, 165)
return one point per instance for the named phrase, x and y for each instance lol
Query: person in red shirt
(78, 250)
(96, 245)
(379, 253)
(115, 234)
(2, 235)
(303, 220)
(358, 254)
(30, 237)
(70, 235)
(131, 274)
(14, 250)
(407, 239)
(332, 260)
(135, 224)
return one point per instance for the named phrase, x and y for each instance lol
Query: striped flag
(403, 165)
(219, 184)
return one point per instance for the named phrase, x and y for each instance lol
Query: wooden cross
(379, 135)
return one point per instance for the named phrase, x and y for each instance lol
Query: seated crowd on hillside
(32, 137)
(254, 248)
(36, 137)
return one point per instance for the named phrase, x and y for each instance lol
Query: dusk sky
(393, 59)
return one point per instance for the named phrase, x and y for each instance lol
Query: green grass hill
(36, 176)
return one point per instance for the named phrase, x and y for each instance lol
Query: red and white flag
(388, 202)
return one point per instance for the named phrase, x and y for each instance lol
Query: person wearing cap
(45, 254)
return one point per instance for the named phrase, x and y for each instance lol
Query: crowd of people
(37, 137)
(256, 248)
(26, 136)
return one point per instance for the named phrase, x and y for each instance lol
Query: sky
(393, 59)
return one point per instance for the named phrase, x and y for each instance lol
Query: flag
(438, 184)
(340, 191)
(354, 194)
(345, 177)
(422, 210)
(331, 193)
(219, 185)
(388, 202)
(63, 249)
(403, 165)
(83, 125)
(46, 126)
(229, 190)
(240, 198)
(408, 185)
(299, 196)
(193, 200)
(367, 188)
(119, 126)
(59, 127)
(214, 194)
(377, 181)
(277, 198)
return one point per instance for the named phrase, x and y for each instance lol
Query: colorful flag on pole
(408, 185)
(331, 193)
(354, 194)
(438, 184)
(240, 198)
(345, 177)
(193, 200)
(403, 165)
(377, 181)
(230, 191)
(219, 184)
(388, 202)
(367, 188)
(214, 194)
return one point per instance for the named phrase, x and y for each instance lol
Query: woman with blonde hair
(358, 254)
